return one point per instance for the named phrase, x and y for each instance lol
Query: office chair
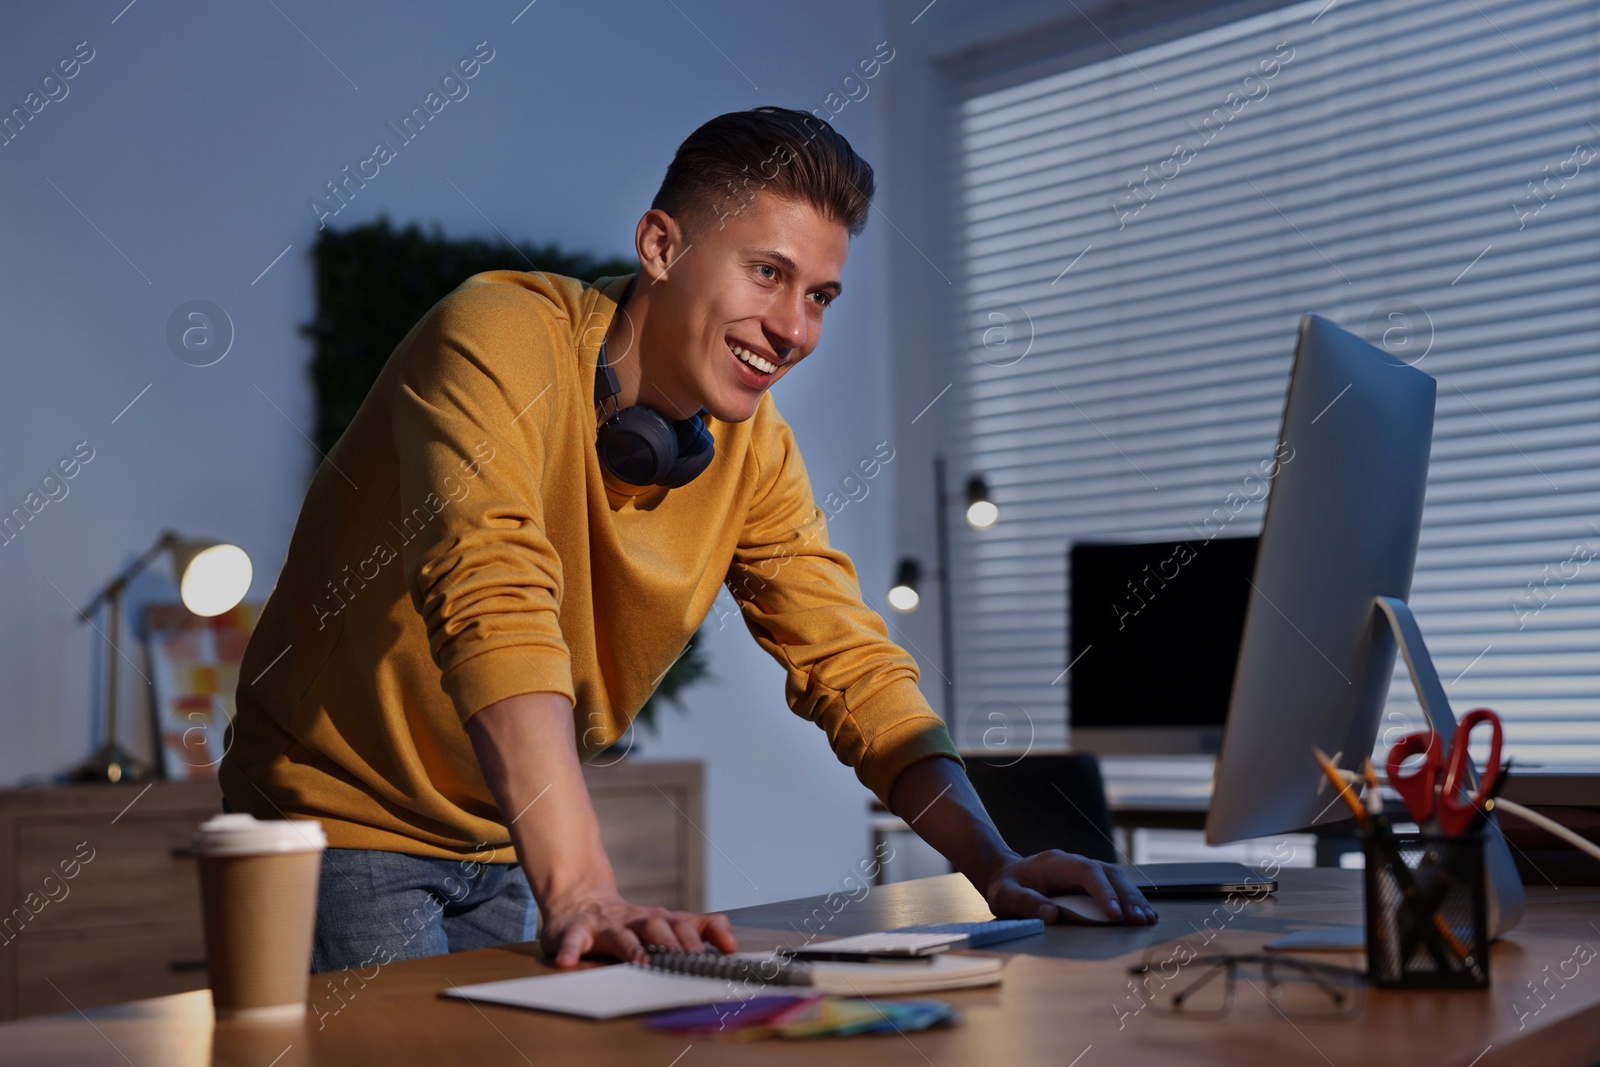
(1047, 801)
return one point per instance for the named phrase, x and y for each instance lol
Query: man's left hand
(1022, 888)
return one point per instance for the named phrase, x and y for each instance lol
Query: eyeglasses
(1176, 981)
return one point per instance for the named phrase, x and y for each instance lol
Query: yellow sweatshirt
(461, 544)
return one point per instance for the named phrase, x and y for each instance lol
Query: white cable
(1544, 823)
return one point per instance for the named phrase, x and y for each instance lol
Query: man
(473, 602)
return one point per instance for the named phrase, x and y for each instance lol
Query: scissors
(1436, 801)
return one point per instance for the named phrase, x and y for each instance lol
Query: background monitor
(1153, 633)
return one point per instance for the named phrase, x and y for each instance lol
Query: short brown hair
(720, 167)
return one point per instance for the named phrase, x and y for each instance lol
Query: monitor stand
(1504, 884)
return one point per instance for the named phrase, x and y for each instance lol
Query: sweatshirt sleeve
(802, 602)
(471, 412)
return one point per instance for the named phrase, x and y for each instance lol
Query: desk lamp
(212, 578)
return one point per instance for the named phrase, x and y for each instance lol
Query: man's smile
(754, 367)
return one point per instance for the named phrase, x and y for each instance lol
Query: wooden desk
(1055, 1006)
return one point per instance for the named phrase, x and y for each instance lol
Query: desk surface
(1056, 1005)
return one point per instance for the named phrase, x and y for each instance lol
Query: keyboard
(912, 942)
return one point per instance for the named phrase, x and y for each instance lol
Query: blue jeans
(374, 907)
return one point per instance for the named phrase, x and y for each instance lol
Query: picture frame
(194, 672)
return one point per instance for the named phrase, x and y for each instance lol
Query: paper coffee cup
(258, 890)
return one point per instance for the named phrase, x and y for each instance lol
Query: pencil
(1379, 824)
(1343, 788)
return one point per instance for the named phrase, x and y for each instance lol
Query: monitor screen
(1327, 606)
(1154, 631)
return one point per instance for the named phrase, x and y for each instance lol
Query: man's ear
(659, 240)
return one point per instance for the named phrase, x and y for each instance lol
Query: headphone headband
(640, 446)
(606, 385)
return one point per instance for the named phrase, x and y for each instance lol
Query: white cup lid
(238, 834)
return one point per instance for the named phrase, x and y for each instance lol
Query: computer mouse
(1083, 909)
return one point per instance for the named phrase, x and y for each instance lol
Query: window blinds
(1139, 237)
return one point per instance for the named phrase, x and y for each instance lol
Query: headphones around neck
(640, 446)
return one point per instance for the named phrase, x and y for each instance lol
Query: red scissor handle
(1456, 814)
(1415, 789)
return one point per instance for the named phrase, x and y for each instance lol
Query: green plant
(374, 283)
(690, 667)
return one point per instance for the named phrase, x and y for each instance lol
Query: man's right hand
(604, 924)
(527, 748)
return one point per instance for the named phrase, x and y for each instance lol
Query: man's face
(753, 286)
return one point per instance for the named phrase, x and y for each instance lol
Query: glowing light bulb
(215, 580)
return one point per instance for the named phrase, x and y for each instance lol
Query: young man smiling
(514, 600)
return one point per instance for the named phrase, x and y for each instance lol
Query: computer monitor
(1327, 602)
(1153, 633)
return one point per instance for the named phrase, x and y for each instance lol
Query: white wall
(179, 165)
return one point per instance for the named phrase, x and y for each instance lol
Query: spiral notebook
(682, 979)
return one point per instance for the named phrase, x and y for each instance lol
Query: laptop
(1168, 880)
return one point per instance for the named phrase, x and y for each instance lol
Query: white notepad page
(609, 992)
(623, 989)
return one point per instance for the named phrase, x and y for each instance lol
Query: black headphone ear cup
(695, 450)
(638, 446)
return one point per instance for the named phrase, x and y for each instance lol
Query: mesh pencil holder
(1427, 911)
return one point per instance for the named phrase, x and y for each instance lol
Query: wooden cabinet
(100, 902)
(650, 816)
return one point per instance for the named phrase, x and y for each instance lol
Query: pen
(1486, 803)
(811, 955)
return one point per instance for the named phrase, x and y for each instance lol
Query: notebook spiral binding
(775, 969)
